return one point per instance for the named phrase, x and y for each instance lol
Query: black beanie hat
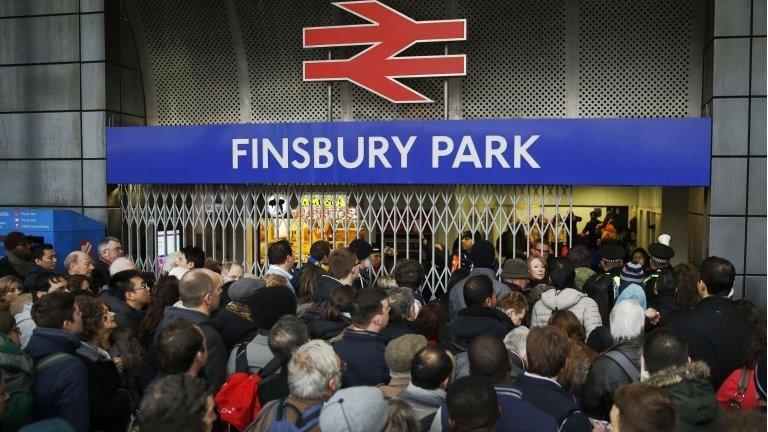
(268, 305)
(482, 254)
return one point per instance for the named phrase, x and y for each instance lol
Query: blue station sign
(662, 152)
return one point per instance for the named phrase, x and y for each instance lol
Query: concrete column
(732, 212)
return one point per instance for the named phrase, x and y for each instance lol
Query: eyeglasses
(142, 286)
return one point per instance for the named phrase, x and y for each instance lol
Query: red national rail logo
(390, 33)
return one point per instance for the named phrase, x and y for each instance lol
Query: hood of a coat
(691, 391)
(561, 299)
(47, 341)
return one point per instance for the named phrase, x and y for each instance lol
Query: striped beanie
(632, 273)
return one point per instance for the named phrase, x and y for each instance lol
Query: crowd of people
(624, 343)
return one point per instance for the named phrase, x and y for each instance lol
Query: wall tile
(41, 183)
(39, 88)
(93, 134)
(738, 288)
(757, 186)
(755, 291)
(757, 137)
(28, 40)
(10, 8)
(732, 17)
(730, 119)
(91, 6)
(756, 251)
(95, 183)
(758, 17)
(93, 84)
(40, 135)
(92, 37)
(726, 239)
(758, 66)
(727, 193)
(730, 76)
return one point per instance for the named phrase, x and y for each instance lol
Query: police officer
(660, 255)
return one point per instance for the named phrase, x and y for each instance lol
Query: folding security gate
(236, 223)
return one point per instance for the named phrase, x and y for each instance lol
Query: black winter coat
(110, 405)
(363, 352)
(549, 397)
(470, 323)
(606, 376)
(325, 287)
(397, 328)
(100, 275)
(716, 334)
(232, 327)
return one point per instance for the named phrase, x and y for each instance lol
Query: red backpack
(238, 399)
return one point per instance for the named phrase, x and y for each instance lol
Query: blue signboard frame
(660, 152)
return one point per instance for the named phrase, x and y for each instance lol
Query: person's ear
(702, 288)
(451, 424)
(446, 383)
(334, 384)
(689, 359)
(207, 299)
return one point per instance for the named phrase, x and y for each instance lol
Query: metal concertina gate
(237, 222)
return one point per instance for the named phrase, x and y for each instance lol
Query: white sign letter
(376, 152)
(404, 149)
(297, 143)
(360, 153)
(492, 152)
(438, 152)
(236, 152)
(322, 149)
(467, 153)
(522, 150)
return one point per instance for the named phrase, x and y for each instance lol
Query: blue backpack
(309, 419)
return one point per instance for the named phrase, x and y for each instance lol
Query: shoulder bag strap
(47, 361)
(241, 358)
(624, 364)
(309, 418)
(743, 382)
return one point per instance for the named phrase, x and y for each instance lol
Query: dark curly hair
(92, 310)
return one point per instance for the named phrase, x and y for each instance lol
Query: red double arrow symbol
(390, 33)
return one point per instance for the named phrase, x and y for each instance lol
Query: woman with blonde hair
(10, 288)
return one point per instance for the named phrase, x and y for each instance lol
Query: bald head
(200, 288)
(78, 263)
(431, 368)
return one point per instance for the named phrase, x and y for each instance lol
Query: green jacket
(692, 394)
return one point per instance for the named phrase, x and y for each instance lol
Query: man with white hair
(79, 263)
(120, 264)
(618, 366)
(515, 343)
(314, 375)
(109, 249)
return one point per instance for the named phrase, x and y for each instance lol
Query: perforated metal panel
(634, 58)
(193, 61)
(416, 222)
(272, 36)
(516, 58)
